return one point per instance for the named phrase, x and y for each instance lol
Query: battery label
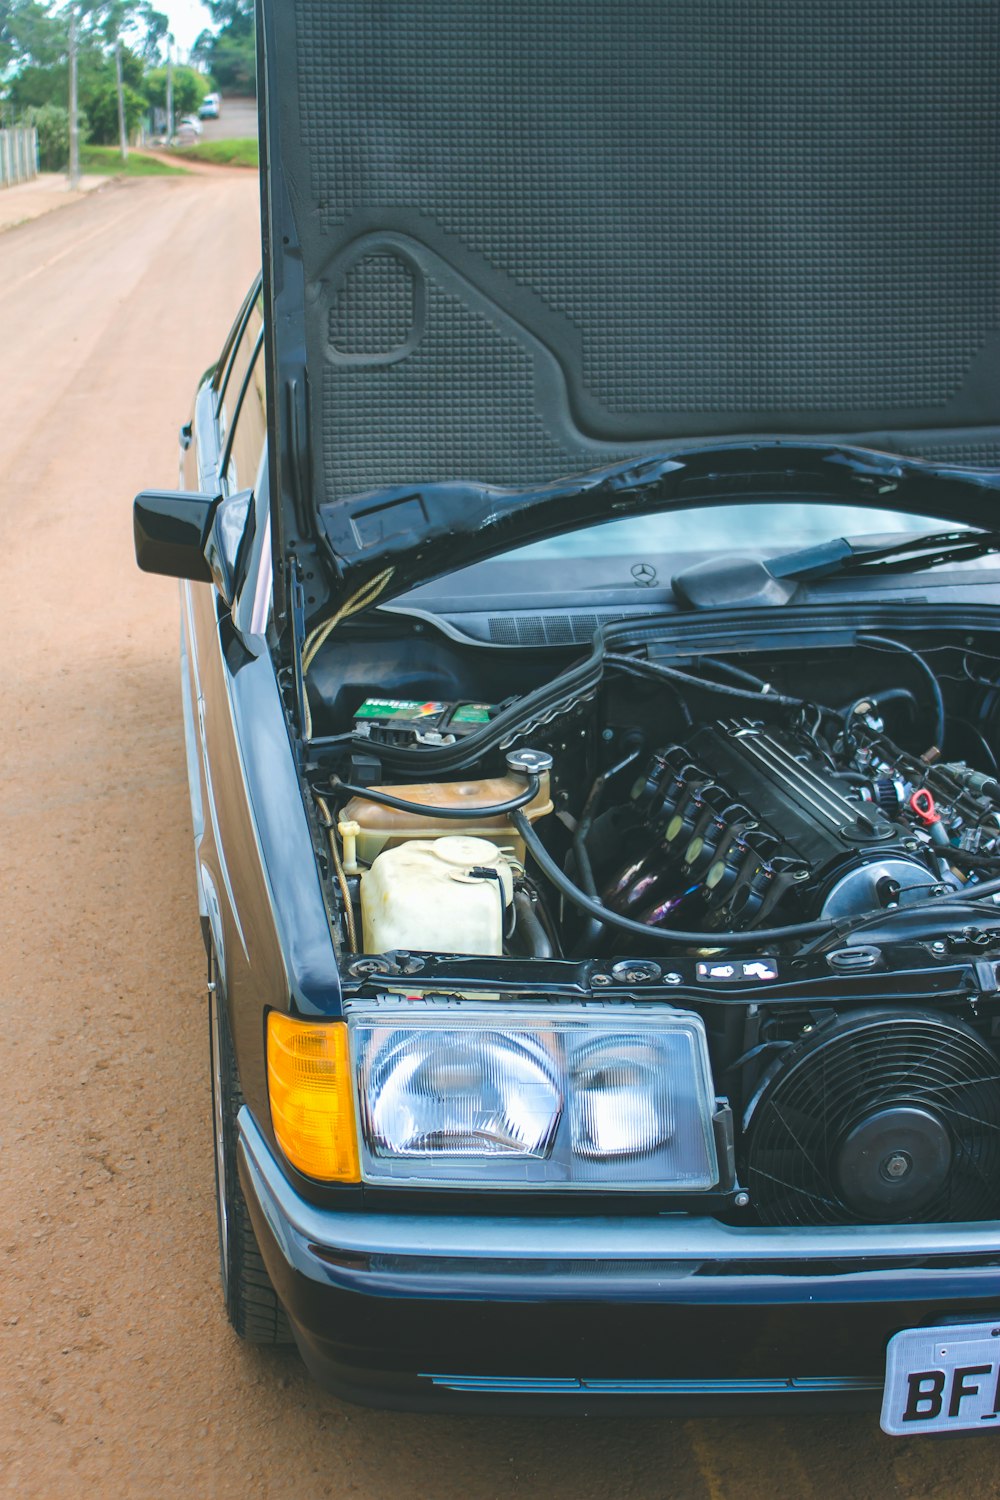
(402, 721)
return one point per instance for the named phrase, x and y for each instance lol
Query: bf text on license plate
(943, 1380)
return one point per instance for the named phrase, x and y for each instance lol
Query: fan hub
(893, 1163)
(897, 1165)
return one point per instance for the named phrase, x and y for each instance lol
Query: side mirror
(171, 529)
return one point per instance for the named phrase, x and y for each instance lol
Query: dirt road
(118, 1373)
(238, 119)
(42, 195)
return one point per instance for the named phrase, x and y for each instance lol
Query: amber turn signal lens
(312, 1096)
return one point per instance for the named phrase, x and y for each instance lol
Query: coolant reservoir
(425, 895)
(384, 827)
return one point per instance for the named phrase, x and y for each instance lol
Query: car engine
(747, 823)
(812, 871)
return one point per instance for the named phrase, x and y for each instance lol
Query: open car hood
(507, 243)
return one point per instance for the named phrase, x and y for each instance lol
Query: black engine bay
(802, 847)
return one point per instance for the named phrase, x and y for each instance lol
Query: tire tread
(251, 1301)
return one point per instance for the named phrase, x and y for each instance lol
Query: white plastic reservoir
(424, 895)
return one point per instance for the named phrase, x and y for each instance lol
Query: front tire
(251, 1302)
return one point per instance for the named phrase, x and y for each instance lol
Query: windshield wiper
(739, 580)
(910, 555)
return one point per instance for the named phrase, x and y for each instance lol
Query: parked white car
(188, 131)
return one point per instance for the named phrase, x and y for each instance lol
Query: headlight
(461, 1093)
(499, 1097)
(621, 1097)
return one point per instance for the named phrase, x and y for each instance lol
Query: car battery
(410, 721)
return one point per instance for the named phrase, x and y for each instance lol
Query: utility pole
(122, 133)
(74, 124)
(170, 89)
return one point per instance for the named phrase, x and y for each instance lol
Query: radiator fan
(878, 1117)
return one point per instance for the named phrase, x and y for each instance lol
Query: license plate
(943, 1380)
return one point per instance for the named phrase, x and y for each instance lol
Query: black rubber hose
(450, 814)
(738, 674)
(673, 674)
(889, 695)
(969, 857)
(953, 904)
(883, 643)
(594, 928)
(562, 882)
(539, 942)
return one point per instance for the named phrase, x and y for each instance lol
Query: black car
(591, 669)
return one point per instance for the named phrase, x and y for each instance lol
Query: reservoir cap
(528, 762)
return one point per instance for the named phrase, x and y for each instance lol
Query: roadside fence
(18, 155)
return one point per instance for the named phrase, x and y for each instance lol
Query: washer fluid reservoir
(443, 895)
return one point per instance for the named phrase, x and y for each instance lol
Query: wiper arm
(740, 580)
(934, 550)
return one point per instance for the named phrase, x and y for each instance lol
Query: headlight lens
(622, 1104)
(466, 1093)
(499, 1097)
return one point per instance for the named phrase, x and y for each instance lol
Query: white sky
(187, 19)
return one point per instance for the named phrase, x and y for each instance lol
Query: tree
(52, 123)
(118, 111)
(30, 35)
(102, 111)
(136, 24)
(229, 53)
(232, 62)
(190, 89)
(231, 13)
(34, 87)
(43, 76)
(34, 41)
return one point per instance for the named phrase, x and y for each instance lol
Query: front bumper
(458, 1312)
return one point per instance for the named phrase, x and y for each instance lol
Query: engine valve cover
(748, 822)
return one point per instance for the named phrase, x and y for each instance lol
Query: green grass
(235, 153)
(107, 159)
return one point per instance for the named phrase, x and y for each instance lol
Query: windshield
(656, 517)
(727, 528)
(651, 549)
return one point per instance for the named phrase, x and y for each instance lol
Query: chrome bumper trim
(529, 1385)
